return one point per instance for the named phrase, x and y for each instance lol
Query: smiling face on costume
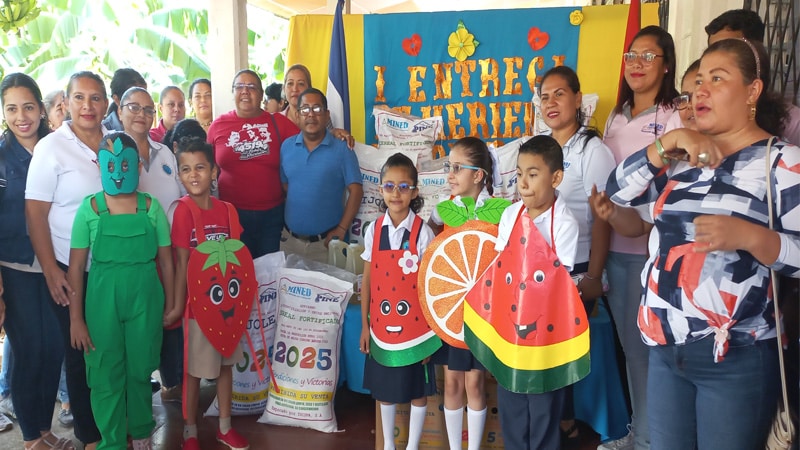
(119, 168)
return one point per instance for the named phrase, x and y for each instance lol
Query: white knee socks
(454, 421)
(387, 424)
(475, 422)
(416, 421)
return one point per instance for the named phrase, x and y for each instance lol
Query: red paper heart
(412, 45)
(537, 38)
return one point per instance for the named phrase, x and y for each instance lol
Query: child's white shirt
(565, 228)
(396, 235)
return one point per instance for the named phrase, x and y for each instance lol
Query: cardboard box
(434, 433)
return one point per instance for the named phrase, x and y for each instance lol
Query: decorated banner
(477, 74)
(524, 319)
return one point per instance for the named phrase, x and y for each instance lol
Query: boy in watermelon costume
(524, 319)
(125, 230)
(216, 285)
(394, 332)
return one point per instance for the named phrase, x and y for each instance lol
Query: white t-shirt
(565, 227)
(586, 163)
(159, 176)
(396, 235)
(63, 171)
(435, 218)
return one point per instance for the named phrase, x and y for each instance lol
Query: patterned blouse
(690, 295)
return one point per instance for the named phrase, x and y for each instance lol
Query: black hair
(87, 74)
(477, 153)
(546, 147)
(402, 161)
(274, 92)
(166, 90)
(24, 81)
(108, 140)
(744, 20)
(196, 82)
(567, 74)
(197, 146)
(693, 67)
(771, 111)
(123, 80)
(183, 133)
(312, 90)
(666, 92)
(132, 90)
(254, 74)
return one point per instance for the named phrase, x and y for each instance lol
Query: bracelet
(341, 228)
(661, 152)
(586, 275)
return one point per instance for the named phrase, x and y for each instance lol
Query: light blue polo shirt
(317, 182)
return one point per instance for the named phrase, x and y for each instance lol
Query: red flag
(633, 27)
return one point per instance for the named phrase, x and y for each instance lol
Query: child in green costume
(125, 301)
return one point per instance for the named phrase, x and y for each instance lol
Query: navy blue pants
(262, 230)
(171, 366)
(530, 421)
(37, 347)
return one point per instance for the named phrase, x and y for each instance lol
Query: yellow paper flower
(461, 44)
(576, 17)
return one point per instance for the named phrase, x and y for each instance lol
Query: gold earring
(752, 112)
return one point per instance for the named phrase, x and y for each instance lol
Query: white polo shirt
(159, 176)
(63, 171)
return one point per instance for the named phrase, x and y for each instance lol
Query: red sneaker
(191, 444)
(233, 440)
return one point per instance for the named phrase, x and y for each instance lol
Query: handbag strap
(774, 278)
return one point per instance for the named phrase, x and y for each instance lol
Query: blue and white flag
(338, 89)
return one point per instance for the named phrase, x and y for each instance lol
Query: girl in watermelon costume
(523, 318)
(125, 230)
(470, 171)
(204, 358)
(394, 332)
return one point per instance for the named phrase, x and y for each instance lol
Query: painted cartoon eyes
(509, 278)
(538, 276)
(403, 308)
(216, 294)
(233, 288)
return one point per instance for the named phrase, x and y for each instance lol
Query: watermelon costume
(399, 334)
(524, 319)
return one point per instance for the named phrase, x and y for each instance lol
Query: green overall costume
(124, 307)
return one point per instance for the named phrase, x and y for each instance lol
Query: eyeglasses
(456, 167)
(306, 110)
(238, 87)
(647, 58)
(682, 102)
(404, 188)
(137, 108)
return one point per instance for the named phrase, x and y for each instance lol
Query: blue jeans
(5, 374)
(624, 272)
(63, 392)
(262, 230)
(38, 350)
(696, 403)
(171, 366)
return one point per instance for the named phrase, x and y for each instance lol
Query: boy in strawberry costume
(216, 279)
(125, 231)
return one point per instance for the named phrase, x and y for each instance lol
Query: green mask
(119, 169)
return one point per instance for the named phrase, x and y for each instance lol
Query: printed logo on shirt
(213, 233)
(653, 128)
(251, 141)
(566, 165)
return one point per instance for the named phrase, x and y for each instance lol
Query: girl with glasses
(470, 171)
(394, 333)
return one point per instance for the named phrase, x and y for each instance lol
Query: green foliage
(164, 40)
(221, 252)
(454, 214)
(492, 209)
